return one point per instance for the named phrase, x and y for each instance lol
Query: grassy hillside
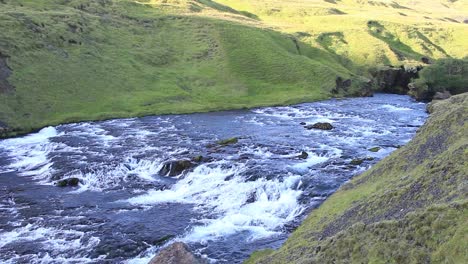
(82, 60)
(72, 60)
(412, 207)
(370, 32)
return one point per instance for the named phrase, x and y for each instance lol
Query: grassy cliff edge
(409, 208)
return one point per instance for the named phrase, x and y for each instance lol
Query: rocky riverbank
(409, 208)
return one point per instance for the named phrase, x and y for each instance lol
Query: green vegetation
(228, 141)
(74, 60)
(412, 207)
(445, 75)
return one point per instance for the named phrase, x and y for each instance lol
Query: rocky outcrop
(5, 72)
(394, 80)
(175, 167)
(441, 95)
(321, 126)
(177, 253)
(344, 86)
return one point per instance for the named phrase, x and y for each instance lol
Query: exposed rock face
(177, 253)
(442, 95)
(5, 72)
(366, 89)
(342, 84)
(3, 127)
(394, 79)
(322, 126)
(175, 167)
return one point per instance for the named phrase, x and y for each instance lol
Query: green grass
(444, 75)
(75, 62)
(409, 208)
(88, 60)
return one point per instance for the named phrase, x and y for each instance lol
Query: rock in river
(228, 141)
(177, 253)
(68, 182)
(322, 126)
(374, 149)
(175, 167)
(303, 155)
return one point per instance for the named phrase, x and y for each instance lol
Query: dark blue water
(241, 198)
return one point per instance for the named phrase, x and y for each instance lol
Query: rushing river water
(243, 197)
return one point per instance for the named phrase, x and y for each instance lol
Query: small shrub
(444, 75)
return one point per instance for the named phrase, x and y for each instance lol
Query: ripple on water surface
(242, 197)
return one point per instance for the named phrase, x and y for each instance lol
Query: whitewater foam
(218, 189)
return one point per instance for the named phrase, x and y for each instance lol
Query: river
(240, 198)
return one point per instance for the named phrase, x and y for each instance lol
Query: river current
(240, 198)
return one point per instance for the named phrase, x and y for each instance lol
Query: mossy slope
(409, 208)
(86, 60)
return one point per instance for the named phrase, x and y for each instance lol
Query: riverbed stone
(70, 182)
(229, 141)
(177, 253)
(375, 149)
(357, 162)
(303, 155)
(320, 125)
(175, 167)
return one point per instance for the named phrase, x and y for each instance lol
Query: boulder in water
(303, 155)
(68, 182)
(177, 253)
(374, 149)
(322, 126)
(175, 167)
(356, 162)
(198, 158)
(228, 141)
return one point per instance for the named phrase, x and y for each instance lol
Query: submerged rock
(198, 158)
(322, 126)
(356, 162)
(303, 155)
(177, 253)
(228, 141)
(68, 182)
(175, 167)
(374, 149)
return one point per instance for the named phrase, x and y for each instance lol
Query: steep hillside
(409, 208)
(370, 32)
(80, 60)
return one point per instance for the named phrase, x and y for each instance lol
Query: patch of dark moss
(229, 141)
